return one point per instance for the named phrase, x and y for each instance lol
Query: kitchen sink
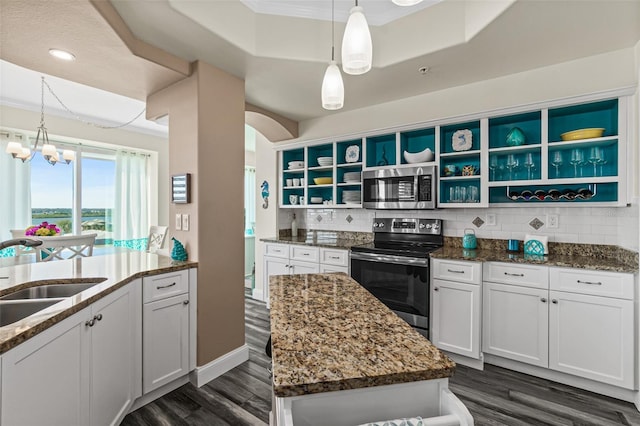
(11, 312)
(51, 290)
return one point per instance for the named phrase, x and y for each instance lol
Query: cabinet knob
(98, 317)
(90, 322)
(554, 301)
(436, 289)
(186, 302)
(543, 300)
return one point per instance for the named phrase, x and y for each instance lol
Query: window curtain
(15, 190)
(249, 200)
(131, 213)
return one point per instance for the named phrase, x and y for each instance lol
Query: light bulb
(13, 148)
(406, 2)
(48, 151)
(68, 155)
(356, 44)
(332, 88)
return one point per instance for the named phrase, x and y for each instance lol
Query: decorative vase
(515, 137)
(178, 252)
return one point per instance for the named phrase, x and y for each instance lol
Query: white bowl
(296, 164)
(316, 200)
(418, 157)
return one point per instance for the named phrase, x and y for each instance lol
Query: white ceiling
(283, 58)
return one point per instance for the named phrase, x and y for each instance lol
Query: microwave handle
(399, 260)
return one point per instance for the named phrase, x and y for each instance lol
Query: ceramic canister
(469, 239)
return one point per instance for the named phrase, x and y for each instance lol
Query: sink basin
(50, 291)
(11, 312)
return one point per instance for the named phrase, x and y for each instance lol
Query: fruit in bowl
(418, 157)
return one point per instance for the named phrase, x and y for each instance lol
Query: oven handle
(399, 260)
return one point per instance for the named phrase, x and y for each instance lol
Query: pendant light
(406, 2)
(332, 86)
(356, 43)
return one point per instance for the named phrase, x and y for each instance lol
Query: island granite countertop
(329, 333)
(116, 269)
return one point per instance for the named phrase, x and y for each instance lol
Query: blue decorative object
(469, 241)
(515, 137)
(534, 247)
(265, 194)
(178, 252)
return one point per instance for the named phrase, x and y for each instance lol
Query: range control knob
(381, 225)
(422, 226)
(428, 226)
(375, 224)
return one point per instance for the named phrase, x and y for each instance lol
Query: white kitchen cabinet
(166, 333)
(456, 317)
(297, 267)
(326, 269)
(515, 322)
(455, 306)
(81, 371)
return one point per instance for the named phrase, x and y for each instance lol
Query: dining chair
(19, 250)
(156, 238)
(65, 247)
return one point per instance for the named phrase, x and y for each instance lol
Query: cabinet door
(592, 337)
(304, 267)
(455, 325)
(331, 268)
(515, 323)
(45, 380)
(273, 266)
(165, 341)
(113, 356)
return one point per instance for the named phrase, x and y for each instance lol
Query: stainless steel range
(395, 266)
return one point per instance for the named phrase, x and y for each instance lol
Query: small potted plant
(45, 229)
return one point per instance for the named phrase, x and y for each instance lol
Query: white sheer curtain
(131, 215)
(15, 193)
(249, 198)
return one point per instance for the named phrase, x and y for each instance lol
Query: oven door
(401, 283)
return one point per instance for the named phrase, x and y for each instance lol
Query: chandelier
(48, 150)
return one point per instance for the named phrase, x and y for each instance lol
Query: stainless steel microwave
(400, 188)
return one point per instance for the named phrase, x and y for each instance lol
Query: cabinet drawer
(597, 283)
(276, 250)
(330, 268)
(158, 287)
(334, 257)
(519, 274)
(462, 272)
(304, 253)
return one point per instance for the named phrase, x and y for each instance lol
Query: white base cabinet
(80, 371)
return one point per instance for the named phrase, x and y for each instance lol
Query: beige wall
(206, 139)
(75, 131)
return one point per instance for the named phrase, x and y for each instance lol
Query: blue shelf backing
(297, 192)
(460, 191)
(593, 115)
(455, 166)
(292, 155)
(605, 160)
(513, 165)
(446, 133)
(417, 141)
(319, 151)
(543, 194)
(341, 150)
(381, 150)
(529, 123)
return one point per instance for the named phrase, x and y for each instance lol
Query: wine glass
(594, 158)
(493, 165)
(529, 164)
(512, 163)
(557, 161)
(577, 159)
(602, 161)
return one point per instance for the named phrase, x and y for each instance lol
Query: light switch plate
(185, 222)
(178, 222)
(552, 221)
(491, 219)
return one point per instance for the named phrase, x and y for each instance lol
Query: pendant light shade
(332, 88)
(406, 2)
(356, 44)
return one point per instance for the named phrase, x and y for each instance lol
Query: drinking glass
(529, 164)
(577, 159)
(594, 158)
(512, 163)
(493, 165)
(557, 161)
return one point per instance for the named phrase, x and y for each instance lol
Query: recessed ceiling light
(62, 54)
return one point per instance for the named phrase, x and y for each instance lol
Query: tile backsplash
(596, 225)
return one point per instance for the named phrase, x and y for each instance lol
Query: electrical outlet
(491, 219)
(185, 222)
(552, 221)
(178, 222)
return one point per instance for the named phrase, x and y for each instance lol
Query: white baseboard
(157, 393)
(204, 374)
(478, 364)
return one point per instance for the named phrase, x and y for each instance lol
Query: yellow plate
(582, 134)
(323, 180)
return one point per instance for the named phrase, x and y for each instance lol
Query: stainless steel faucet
(27, 242)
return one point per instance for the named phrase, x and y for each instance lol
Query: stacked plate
(325, 161)
(351, 197)
(316, 200)
(352, 177)
(294, 165)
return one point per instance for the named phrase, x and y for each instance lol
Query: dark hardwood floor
(495, 396)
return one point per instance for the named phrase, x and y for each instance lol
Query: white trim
(193, 317)
(157, 393)
(219, 366)
(477, 364)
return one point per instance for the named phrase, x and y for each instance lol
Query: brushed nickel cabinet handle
(543, 300)
(165, 286)
(455, 272)
(436, 289)
(186, 302)
(590, 282)
(335, 257)
(514, 275)
(554, 301)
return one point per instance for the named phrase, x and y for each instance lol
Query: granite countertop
(569, 261)
(117, 269)
(328, 239)
(329, 333)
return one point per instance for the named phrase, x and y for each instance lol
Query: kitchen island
(342, 357)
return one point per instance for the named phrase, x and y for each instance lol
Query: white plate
(351, 202)
(352, 154)
(351, 181)
(295, 168)
(462, 140)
